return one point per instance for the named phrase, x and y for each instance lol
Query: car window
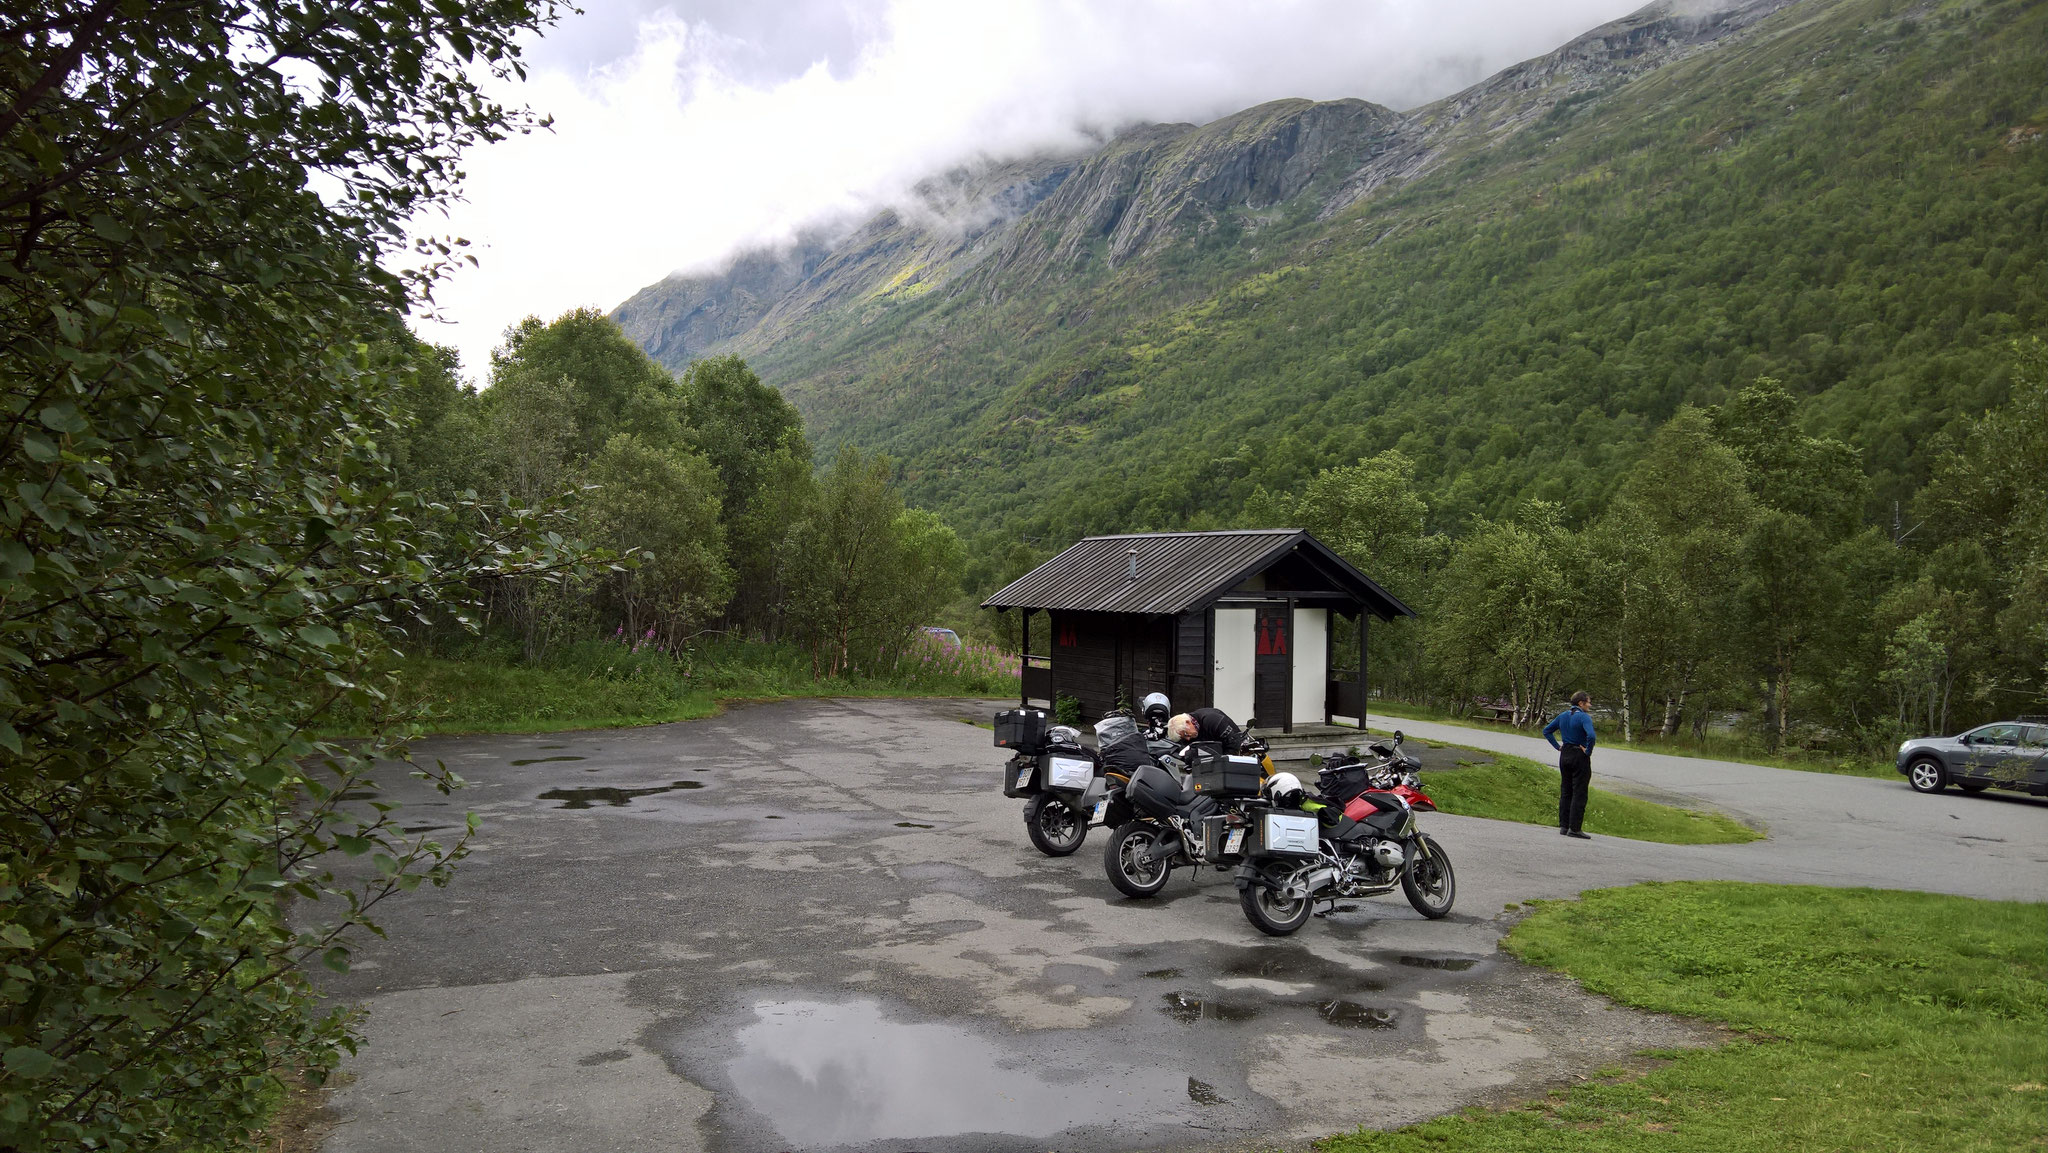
(2035, 737)
(1996, 735)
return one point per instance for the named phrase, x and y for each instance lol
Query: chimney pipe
(1134, 563)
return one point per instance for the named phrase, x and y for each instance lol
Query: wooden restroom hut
(1240, 620)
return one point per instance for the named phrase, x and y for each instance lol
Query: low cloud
(685, 133)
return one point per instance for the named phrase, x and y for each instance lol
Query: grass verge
(1713, 749)
(1515, 789)
(599, 685)
(1872, 1020)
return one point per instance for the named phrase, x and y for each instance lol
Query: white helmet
(1155, 707)
(1063, 735)
(1284, 789)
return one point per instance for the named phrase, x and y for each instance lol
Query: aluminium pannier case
(1068, 769)
(1023, 730)
(1288, 834)
(1220, 775)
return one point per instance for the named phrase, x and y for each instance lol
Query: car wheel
(1926, 776)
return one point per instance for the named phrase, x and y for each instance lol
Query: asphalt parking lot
(818, 925)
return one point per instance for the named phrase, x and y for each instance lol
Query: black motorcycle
(1357, 838)
(1175, 822)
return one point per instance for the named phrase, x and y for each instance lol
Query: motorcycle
(1357, 838)
(1176, 821)
(1069, 788)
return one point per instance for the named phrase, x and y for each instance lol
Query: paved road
(818, 925)
(1825, 829)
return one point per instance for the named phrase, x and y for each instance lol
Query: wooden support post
(1364, 686)
(1023, 657)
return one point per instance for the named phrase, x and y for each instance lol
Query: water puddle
(544, 760)
(1188, 1008)
(1295, 965)
(825, 1075)
(1451, 964)
(1352, 1015)
(773, 817)
(1203, 1093)
(357, 795)
(550, 746)
(585, 798)
(426, 828)
(1163, 974)
(913, 825)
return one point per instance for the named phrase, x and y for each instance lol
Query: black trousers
(1574, 779)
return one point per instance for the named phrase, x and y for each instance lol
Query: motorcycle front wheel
(1134, 858)
(1273, 914)
(1054, 827)
(1427, 878)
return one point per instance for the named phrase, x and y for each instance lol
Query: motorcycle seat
(1154, 791)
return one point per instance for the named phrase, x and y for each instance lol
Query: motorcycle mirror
(1397, 736)
(1251, 722)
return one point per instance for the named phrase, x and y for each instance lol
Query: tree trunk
(1627, 707)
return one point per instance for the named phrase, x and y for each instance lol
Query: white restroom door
(1311, 664)
(1235, 648)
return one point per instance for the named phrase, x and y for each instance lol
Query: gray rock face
(993, 229)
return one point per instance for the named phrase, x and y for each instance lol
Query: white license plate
(1101, 807)
(1023, 777)
(1234, 841)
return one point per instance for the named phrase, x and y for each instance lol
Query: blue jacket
(1575, 725)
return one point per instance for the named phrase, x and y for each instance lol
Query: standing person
(1574, 762)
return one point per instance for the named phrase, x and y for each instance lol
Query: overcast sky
(690, 129)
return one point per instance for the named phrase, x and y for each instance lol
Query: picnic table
(1500, 711)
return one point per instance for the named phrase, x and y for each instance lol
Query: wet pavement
(818, 925)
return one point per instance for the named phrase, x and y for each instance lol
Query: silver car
(2000, 755)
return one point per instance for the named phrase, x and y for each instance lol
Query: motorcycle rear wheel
(1273, 914)
(1122, 859)
(1427, 879)
(1054, 827)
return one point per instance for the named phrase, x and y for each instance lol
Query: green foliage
(1880, 1020)
(861, 570)
(1508, 611)
(756, 440)
(1514, 789)
(663, 501)
(1988, 504)
(201, 544)
(590, 684)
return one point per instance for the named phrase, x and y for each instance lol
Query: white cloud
(685, 133)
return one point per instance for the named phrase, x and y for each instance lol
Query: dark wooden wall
(1094, 655)
(1191, 662)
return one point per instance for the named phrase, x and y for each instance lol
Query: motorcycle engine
(1388, 853)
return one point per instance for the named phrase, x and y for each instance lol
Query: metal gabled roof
(1177, 571)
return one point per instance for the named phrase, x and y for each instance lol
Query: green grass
(597, 685)
(1713, 748)
(1869, 1019)
(1514, 789)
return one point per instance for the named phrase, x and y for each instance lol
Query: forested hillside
(1660, 364)
(1847, 195)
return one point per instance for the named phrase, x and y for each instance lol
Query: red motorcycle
(1356, 838)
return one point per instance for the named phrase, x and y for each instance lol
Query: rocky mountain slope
(1510, 284)
(1150, 186)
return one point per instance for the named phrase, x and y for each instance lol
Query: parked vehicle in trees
(2000, 755)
